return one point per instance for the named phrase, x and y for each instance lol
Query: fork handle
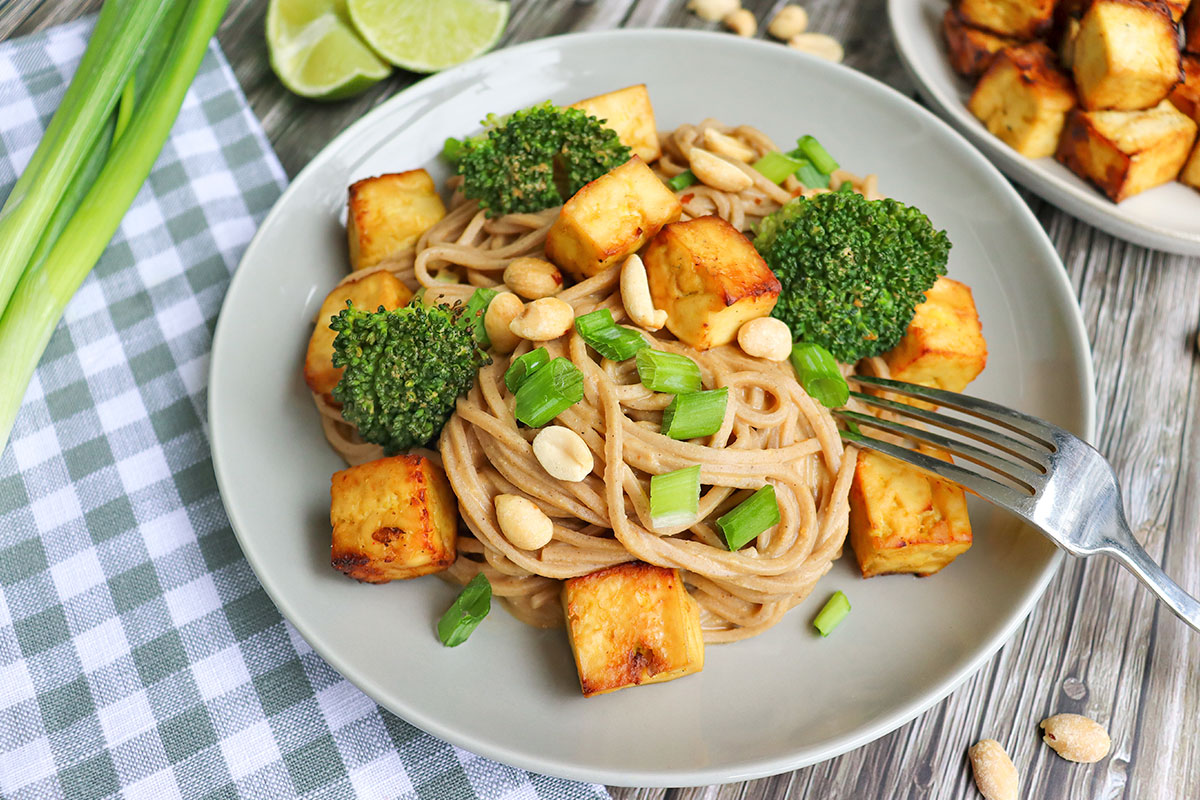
(1131, 554)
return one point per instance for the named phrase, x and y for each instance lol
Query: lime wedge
(315, 51)
(429, 35)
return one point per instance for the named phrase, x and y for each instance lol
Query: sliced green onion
(452, 149)
(607, 337)
(749, 518)
(476, 307)
(667, 372)
(835, 610)
(466, 612)
(695, 414)
(818, 155)
(524, 366)
(818, 373)
(812, 177)
(548, 392)
(675, 498)
(847, 187)
(776, 166)
(682, 180)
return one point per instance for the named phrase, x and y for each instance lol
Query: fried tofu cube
(393, 519)
(388, 213)
(943, 346)
(631, 624)
(368, 293)
(971, 49)
(1066, 43)
(1191, 29)
(1126, 55)
(1127, 152)
(1177, 8)
(628, 112)
(610, 218)
(1190, 174)
(709, 279)
(1022, 19)
(903, 520)
(1023, 98)
(1186, 96)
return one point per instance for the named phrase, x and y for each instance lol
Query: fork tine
(1001, 441)
(985, 487)
(1010, 470)
(1038, 430)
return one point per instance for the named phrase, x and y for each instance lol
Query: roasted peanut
(765, 337)
(543, 319)
(725, 145)
(504, 308)
(524, 524)
(713, 10)
(533, 278)
(1076, 738)
(741, 22)
(995, 774)
(718, 173)
(818, 44)
(635, 294)
(563, 453)
(788, 22)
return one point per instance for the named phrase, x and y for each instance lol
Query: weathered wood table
(1096, 643)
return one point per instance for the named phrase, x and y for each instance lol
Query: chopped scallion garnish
(548, 392)
(847, 187)
(524, 366)
(667, 372)
(776, 166)
(682, 180)
(452, 149)
(466, 612)
(476, 307)
(835, 610)
(818, 155)
(819, 374)
(812, 177)
(675, 498)
(695, 414)
(607, 337)
(749, 518)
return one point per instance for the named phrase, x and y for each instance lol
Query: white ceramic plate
(780, 701)
(1164, 218)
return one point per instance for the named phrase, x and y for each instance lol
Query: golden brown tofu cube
(610, 218)
(394, 518)
(709, 279)
(1126, 55)
(1190, 174)
(1127, 152)
(1066, 43)
(904, 521)
(631, 624)
(1186, 95)
(943, 346)
(1023, 98)
(389, 213)
(1177, 8)
(628, 112)
(971, 49)
(1191, 29)
(368, 293)
(1022, 19)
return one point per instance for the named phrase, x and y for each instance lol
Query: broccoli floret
(404, 371)
(852, 270)
(536, 158)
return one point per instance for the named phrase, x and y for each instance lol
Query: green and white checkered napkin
(139, 657)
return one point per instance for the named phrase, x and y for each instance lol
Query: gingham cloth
(139, 657)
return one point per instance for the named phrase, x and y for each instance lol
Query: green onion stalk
(37, 294)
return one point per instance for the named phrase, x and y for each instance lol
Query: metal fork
(1047, 476)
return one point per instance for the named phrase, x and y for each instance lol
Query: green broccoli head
(852, 270)
(536, 158)
(405, 369)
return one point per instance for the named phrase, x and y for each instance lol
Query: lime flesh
(316, 52)
(429, 35)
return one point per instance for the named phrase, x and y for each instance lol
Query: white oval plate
(774, 703)
(1164, 218)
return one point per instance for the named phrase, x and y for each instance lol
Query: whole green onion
(607, 337)
(776, 166)
(548, 392)
(661, 371)
(682, 180)
(695, 414)
(818, 155)
(466, 612)
(749, 518)
(523, 366)
(819, 374)
(835, 610)
(474, 312)
(812, 177)
(675, 498)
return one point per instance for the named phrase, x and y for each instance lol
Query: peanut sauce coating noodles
(772, 431)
